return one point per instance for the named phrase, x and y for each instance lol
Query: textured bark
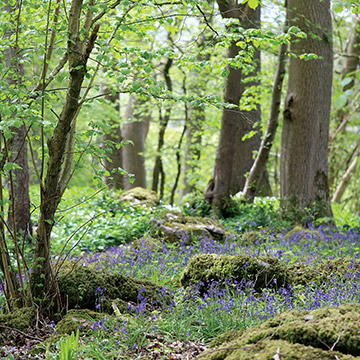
(234, 156)
(42, 280)
(112, 139)
(195, 120)
(253, 180)
(164, 120)
(194, 128)
(19, 220)
(304, 147)
(134, 129)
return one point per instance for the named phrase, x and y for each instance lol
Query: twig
(21, 332)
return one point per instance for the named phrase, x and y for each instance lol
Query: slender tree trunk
(164, 120)
(112, 140)
(353, 54)
(193, 136)
(234, 156)
(344, 114)
(259, 165)
(19, 220)
(43, 282)
(195, 120)
(345, 180)
(134, 129)
(304, 149)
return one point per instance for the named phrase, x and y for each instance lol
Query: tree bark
(19, 220)
(259, 165)
(234, 156)
(194, 122)
(164, 120)
(345, 180)
(112, 140)
(134, 129)
(343, 115)
(304, 146)
(42, 281)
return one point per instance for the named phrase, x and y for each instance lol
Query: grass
(189, 317)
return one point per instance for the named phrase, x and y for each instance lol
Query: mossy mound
(275, 349)
(301, 234)
(78, 319)
(146, 242)
(83, 287)
(20, 319)
(340, 269)
(255, 237)
(261, 271)
(174, 227)
(298, 335)
(140, 196)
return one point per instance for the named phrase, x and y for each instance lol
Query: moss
(146, 242)
(75, 319)
(211, 267)
(267, 349)
(254, 237)
(337, 327)
(20, 319)
(341, 268)
(226, 337)
(141, 196)
(301, 234)
(174, 227)
(78, 286)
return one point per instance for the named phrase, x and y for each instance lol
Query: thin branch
(21, 332)
(206, 21)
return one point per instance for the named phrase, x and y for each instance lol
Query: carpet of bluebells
(182, 322)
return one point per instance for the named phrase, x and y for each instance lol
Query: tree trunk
(195, 120)
(344, 114)
(164, 120)
(304, 147)
(19, 219)
(353, 54)
(43, 282)
(259, 165)
(112, 140)
(345, 180)
(134, 129)
(234, 156)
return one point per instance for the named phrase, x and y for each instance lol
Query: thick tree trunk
(234, 156)
(43, 282)
(304, 149)
(259, 165)
(134, 129)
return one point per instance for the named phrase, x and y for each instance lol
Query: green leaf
(340, 101)
(136, 85)
(338, 7)
(249, 135)
(253, 4)
(345, 82)
(125, 71)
